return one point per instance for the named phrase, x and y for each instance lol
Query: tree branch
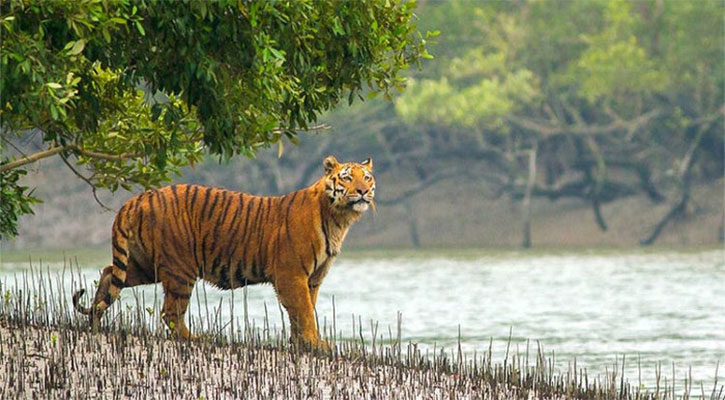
(320, 127)
(11, 144)
(33, 158)
(418, 188)
(547, 129)
(86, 180)
(103, 156)
(60, 149)
(685, 177)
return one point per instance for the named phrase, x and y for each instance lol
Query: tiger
(181, 233)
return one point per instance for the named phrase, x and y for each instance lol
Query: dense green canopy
(136, 89)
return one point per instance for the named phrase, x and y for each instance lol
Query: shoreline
(51, 362)
(48, 352)
(101, 252)
(43, 361)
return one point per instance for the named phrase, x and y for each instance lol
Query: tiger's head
(349, 186)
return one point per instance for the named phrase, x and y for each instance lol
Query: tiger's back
(200, 232)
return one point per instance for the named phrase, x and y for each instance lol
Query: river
(659, 306)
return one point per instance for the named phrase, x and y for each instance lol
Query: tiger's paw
(316, 345)
(324, 346)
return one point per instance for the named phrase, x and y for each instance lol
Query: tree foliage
(135, 90)
(602, 91)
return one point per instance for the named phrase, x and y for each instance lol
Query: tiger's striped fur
(181, 233)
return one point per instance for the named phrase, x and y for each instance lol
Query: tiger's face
(349, 185)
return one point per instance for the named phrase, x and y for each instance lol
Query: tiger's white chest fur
(335, 237)
(331, 235)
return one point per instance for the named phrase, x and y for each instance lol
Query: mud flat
(52, 362)
(46, 362)
(47, 351)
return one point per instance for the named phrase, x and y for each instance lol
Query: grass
(49, 352)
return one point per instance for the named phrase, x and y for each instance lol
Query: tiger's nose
(362, 191)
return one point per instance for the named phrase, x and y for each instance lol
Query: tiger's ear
(330, 162)
(368, 163)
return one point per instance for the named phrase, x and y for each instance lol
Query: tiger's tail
(76, 297)
(113, 278)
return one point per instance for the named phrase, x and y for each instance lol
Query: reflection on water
(662, 307)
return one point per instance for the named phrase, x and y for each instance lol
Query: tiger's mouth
(359, 205)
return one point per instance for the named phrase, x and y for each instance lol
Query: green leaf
(277, 53)
(77, 48)
(433, 33)
(140, 28)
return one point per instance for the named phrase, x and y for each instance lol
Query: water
(663, 307)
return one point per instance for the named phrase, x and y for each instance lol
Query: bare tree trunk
(413, 225)
(677, 210)
(597, 208)
(527, 197)
(598, 181)
(680, 207)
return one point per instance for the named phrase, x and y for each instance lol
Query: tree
(133, 91)
(610, 99)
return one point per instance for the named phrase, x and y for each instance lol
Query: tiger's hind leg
(125, 272)
(102, 300)
(109, 287)
(112, 281)
(176, 302)
(137, 274)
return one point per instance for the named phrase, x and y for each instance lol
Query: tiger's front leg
(177, 292)
(294, 294)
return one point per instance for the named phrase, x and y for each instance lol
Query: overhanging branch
(60, 149)
(33, 158)
(320, 127)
